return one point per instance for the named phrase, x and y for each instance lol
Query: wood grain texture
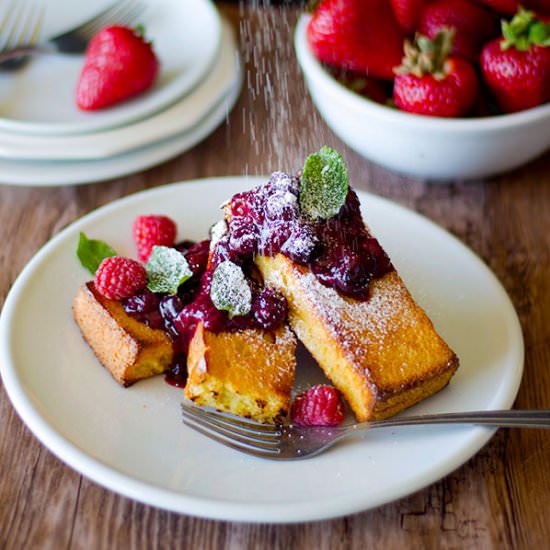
(498, 499)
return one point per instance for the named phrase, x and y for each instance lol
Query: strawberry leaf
(166, 269)
(324, 184)
(230, 290)
(524, 31)
(539, 33)
(92, 252)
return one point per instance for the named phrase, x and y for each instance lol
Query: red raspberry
(153, 230)
(119, 277)
(319, 405)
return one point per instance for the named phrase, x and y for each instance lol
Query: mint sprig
(230, 290)
(92, 252)
(166, 269)
(324, 184)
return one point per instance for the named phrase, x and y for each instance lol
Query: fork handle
(26, 51)
(515, 418)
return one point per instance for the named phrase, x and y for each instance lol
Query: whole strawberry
(504, 7)
(363, 85)
(152, 230)
(429, 82)
(119, 64)
(356, 35)
(472, 23)
(538, 6)
(407, 13)
(516, 66)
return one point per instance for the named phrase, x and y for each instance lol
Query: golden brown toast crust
(129, 349)
(383, 354)
(248, 373)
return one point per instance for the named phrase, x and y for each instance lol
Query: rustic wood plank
(498, 499)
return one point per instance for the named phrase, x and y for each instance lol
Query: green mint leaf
(166, 269)
(230, 290)
(92, 252)
(324, 184)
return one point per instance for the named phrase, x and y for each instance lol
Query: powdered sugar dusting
(365, 330)
(217, 231)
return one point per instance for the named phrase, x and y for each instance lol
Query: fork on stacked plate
(46, 140)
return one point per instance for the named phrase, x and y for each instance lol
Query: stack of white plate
(46, 140)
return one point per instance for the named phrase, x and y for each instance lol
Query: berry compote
(340, 251)
(266, 220)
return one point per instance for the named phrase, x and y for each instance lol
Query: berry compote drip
(179, 314)
(159, 311)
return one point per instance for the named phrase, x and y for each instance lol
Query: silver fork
(292, 442)
(19, 28)
(122, 12)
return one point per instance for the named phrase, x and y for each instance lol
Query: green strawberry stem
(425, 56)
(311, 6)
(524, 31)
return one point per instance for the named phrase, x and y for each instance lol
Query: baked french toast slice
(346, 302)
(383, 353)
(128, 348)
(242, 367)
(249, 373)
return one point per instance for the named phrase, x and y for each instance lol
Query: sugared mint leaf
(324, 184)
(92, 252)
(230, 290)
(166, 270)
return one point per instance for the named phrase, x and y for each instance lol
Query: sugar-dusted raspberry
(119, 277)
(320, 405)
(149, 231)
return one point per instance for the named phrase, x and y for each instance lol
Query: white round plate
(133, 441)
(40, 98)
(176, 119)
(44, 173)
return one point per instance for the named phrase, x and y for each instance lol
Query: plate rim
(154, 153)
(171, 500)
(168, 96)
(159, 126)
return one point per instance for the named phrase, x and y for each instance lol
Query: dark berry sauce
(179, 314)
(339, 251)
(160, 311)
(268, 312)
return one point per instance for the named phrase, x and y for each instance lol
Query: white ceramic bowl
(421, 146)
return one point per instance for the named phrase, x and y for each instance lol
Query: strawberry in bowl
(439, 116)
(516, 66)
(344, 34)
(431, 82)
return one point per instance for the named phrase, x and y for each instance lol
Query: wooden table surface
(498, 499)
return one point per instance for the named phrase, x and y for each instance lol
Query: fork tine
(262, 441)
(237, 443)
(19, 27)
(131, 15)
(88, 26)
(250, 426)
(230, 430)
(33, 30)
(230, 442)
(9, 25)
(120, 13)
